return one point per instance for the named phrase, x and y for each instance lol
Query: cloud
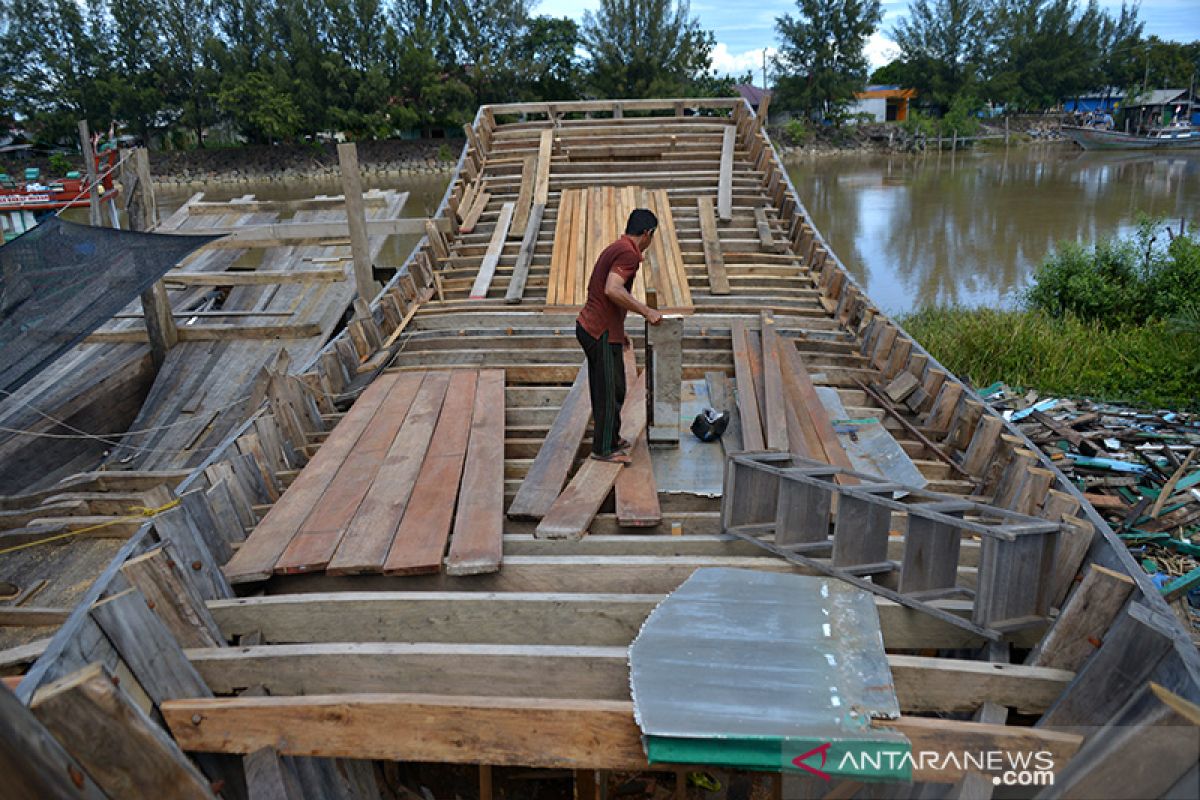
(729, 63)
(881, 50)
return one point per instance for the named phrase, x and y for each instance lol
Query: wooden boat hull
(1094, 139)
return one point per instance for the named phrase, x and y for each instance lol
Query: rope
(87, 189)
(142, 513)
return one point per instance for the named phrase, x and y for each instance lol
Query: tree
(548, 67)
(645, 48)
(821, 58)
(484, 36)
(135, 81)
(943, 43)
(1164, 65)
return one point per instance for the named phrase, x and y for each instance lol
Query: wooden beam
(476, 545)
(491, 259)
(173, 598)
(212, 333)
(32, 762)
(530, 617)
(546, 476)
(541, 189)
(93, 177)
(516, 284)
(120, 747)
(254, 277)
(923, 685)
(356, 221)
(371, 199)
(725, 181)
(1085, 620)
(747, 399)
(284, 234)
(501, 731)
(714, 261)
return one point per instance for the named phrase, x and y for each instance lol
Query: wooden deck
(366, 630)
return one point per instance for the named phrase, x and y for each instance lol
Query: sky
(744, 30)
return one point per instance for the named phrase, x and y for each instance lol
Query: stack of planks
(589, 220)
(380, 494)
(776, 398)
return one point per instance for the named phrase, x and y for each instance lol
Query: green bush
(61, 164)
(919, 124)
(796, 131)
(444, 154)
(959, 119)
(1120, 281)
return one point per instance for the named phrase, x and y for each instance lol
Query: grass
(1153, 364)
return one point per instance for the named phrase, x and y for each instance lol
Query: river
(939, 229)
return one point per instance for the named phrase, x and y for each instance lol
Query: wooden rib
(516, 286)
(808, 407)
(553, 462)
(491, 259)
(747, 400)
(420, 542)
(256, 558)
(477, 540)
(560, 250)
(322, 531)
(636, 492)
(572, 512)
(714, 262)
(369, 535)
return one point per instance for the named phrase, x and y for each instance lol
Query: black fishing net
(60, 281)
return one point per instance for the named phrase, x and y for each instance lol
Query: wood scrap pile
(1139, 469)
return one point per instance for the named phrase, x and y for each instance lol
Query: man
(600, 330)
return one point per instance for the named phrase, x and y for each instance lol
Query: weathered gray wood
(125, 751)
(802, 516)
(356, 220)
(860, 532)
(931, 551)
(192, 552)
(1015, 581)
(1084, 621)
(664, 343)
(145, 644)
(1126, 658)
(749, 496)
(267, 778)
(516, 284)
(33, 765)
(95, 218)
(212, 530)
(725, 181)
(173, 596)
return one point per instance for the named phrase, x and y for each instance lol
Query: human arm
(614, 289)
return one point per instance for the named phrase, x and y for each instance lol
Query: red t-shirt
(600, 314)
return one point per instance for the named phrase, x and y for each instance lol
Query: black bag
(709, 424)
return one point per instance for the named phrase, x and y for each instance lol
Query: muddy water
(969, 229)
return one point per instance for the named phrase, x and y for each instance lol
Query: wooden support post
(172, 596)
(664, 359)
(89, 162)
(121, 748)
(356, 220)
(725, 180)
(1089, 613)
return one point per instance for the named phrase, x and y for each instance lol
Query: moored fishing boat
(26, 199)
(1176, 137)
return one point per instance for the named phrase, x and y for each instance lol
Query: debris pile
(1139, 469)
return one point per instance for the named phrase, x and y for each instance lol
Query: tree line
(281, 70)
(1023, 55)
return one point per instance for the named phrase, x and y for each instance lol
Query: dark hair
(640, 221)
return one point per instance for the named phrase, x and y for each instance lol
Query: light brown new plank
(255, 559)
(821, 438)
(322, 531)
(725, 181)
(369, 535)
(524, 198)
(747, 400)
(773, 400)
(420, 542)
(550, 467)
(574, 509)
(477, 542)
(541, 189)
(474, 212)
(635, 491)
(491, 259)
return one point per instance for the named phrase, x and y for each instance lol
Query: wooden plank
(477, 542)
(512, 731)
(487, 267)
(546, 476)
(775, 419)
(516, 284)
(747, 394)
(820, 435)
(524, 197)
(319, 536)
(267, 778)
(766, 238)
(369, 535)
(211, 333)
(420, 542)
(541, 189)
(635, 491)
(923, 684)
(1084, 621)
(173, 597)
(471, 219)
(714, 261)
(122, 749)
(572, 512)
(356, 221)
(255, 559)
(725, 181)
(32, 762)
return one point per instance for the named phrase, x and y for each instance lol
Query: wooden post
(89, 162)
(156, 305)
(664, 359)
(356, 219)
(32, 761)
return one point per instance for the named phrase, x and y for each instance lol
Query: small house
(883, 103)
(1160, 108)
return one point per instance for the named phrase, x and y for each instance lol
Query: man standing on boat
(600, 329)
